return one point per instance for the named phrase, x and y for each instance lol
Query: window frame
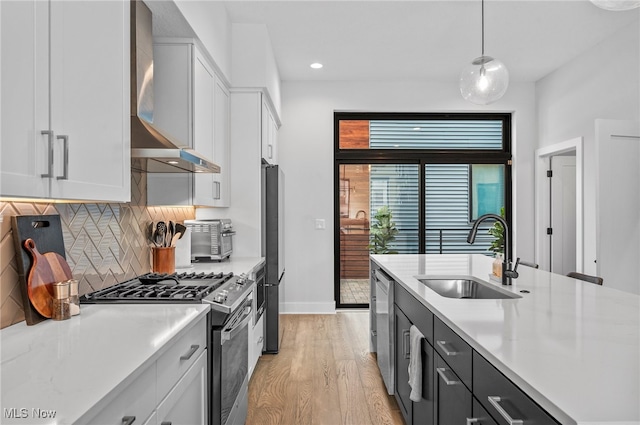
(421, 157)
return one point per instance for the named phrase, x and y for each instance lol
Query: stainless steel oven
(229, 379)
(227, 324)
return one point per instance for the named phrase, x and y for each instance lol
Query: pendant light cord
(482, 27)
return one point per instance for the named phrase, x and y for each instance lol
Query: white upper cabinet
(221, 147)
(65, 100)
(187, 108)
(269, 134)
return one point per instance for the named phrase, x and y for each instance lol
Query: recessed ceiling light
(316, 65)
(172, 162)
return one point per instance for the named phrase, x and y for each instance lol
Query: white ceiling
(428, 39)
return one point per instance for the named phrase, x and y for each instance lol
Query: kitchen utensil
(161, 229)
(46, 270)
(46, 232)
(180, 228)
(175, 238)
(151, 233)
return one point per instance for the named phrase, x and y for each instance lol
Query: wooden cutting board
(46, 269)
(46, 232)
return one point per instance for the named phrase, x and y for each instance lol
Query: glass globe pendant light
(616, 5)
(486, 79)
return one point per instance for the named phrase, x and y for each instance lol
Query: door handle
(65, 147)
(406, 344)
(49, 133)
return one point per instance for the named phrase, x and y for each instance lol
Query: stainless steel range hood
(152, 150)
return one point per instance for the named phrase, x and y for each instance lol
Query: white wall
(306, 156)
(601, 83)
(211, 24)
(254, 63)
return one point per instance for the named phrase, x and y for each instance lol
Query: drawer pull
(443, 346)
(128, 420)
(495, 402)
(165, 423)
(441, 372)
(191, 352)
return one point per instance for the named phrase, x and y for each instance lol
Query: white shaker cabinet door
(65, 100)
(203, 122)
(90, 100)
(221, 145)
(187, 403)
(24, 98)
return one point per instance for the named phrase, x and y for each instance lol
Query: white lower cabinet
(172, 390)
(256, 342)
(186, 403)
(133, 404)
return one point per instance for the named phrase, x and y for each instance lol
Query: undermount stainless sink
(465, 287)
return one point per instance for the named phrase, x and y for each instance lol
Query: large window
(435, 174)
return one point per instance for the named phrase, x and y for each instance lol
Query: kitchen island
(571, 346)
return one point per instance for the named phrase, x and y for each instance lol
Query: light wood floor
(323, 374)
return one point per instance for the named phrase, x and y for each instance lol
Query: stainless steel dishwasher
(384, 327)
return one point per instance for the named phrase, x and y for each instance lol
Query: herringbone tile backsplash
(104, 243)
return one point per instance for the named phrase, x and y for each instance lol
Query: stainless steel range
(228, 320)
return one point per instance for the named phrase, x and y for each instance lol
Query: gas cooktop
(222, 291)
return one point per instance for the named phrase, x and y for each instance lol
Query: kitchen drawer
(416, 312)
(502, 398)
(136, 400)
(453, 350)
(480, 415)
(180, 356)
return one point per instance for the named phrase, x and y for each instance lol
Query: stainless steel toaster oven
(211, 239)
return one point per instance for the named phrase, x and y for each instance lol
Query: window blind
(435, 134)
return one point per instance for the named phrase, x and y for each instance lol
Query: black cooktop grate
(154, 287)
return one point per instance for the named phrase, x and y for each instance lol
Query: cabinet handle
(128, 420)
(443, 346)
(270, 148)
(65, 146)
(441, 372)
(191, 352)
(495, 402)
(216, 190)
(472, 421)
(406, 344)
(165, 423)
(50, 153)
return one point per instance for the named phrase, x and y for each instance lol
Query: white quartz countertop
(72, 365)
(572, 346)
(235, 265)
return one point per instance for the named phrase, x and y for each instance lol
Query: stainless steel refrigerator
(273, 251)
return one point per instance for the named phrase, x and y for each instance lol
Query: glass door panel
(455, 196)
(363, 190)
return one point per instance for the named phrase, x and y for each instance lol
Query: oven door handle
(236, 325)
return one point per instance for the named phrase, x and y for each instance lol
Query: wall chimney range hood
(152, 150)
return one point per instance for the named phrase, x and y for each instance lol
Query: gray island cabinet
(509, 361)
